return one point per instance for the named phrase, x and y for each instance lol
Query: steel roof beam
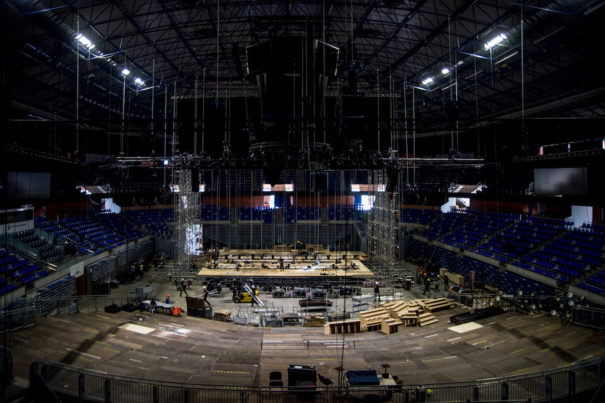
(398, 29)
(467, 4)
(144, 36)
(188, 46)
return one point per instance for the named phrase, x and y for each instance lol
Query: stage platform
(287, 264)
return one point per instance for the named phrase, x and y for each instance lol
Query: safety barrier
(47, 377)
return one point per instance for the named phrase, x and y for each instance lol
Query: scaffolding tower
(383, 227)
(187, 210)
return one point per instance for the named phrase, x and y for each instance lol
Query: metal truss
(187, 209)
(382, 227)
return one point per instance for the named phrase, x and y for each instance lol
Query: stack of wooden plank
(405, 312)
(223, 315)
(417, 312)
(372, 320)
(342, 327)
(314, 321)
(390, 326)
(427, 318)
(438, 304)
(389, 316)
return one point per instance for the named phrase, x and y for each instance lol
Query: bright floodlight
(138, 81)
(84, 41)
(445, 71)
(427, 81)
(494, 41)
(125, 72)
(165, 162)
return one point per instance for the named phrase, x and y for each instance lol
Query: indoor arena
(327, 201)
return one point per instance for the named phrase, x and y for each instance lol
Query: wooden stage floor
(263, 263)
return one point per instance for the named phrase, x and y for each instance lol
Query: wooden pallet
(425, 319)
(223, 315)
(372, 319)
(390, 326)
(396, 308)
(315, 321)
(340, 327)
(438, 304)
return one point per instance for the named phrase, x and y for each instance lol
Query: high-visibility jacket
(176, 311)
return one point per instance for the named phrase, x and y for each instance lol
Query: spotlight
(84, 41)
(125, 71)
(494, 41)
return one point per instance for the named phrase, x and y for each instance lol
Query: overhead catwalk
(260, 263)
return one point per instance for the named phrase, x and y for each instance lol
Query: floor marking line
(64, 320)
(432, 335)
(455, 338)
(80, 352)
(449, 357)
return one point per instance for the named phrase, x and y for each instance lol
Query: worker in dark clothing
(377, 291)
(253, 294)
(206, 297)
(152, 305)
(183, 287)
(446, 282)
(427, 285)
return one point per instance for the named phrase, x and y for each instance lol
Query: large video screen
(28, 185)
(561, 181)
(194, 240)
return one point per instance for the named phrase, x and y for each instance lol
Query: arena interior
(256, 201)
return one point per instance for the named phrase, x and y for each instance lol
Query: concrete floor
(194, 350)
(162, 287)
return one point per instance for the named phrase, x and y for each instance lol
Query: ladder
(253, 295)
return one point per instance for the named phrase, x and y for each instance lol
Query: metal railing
(47, 377)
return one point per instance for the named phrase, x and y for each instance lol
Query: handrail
(492, 389)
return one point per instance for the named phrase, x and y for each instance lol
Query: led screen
(28, 185)
(194, 240)
(560, 181)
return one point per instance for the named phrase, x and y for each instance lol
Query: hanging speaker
(321, 183)
(195, 180)
(392, 179)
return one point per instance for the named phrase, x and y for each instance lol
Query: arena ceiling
(545, 66)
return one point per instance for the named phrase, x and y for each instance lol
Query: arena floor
(201, 351)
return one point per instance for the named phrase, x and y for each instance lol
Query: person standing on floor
(183, 287)
(446, 282)
(206, 297)
(152, 305)
(427, 285)
(253, 293)
(377, 291)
